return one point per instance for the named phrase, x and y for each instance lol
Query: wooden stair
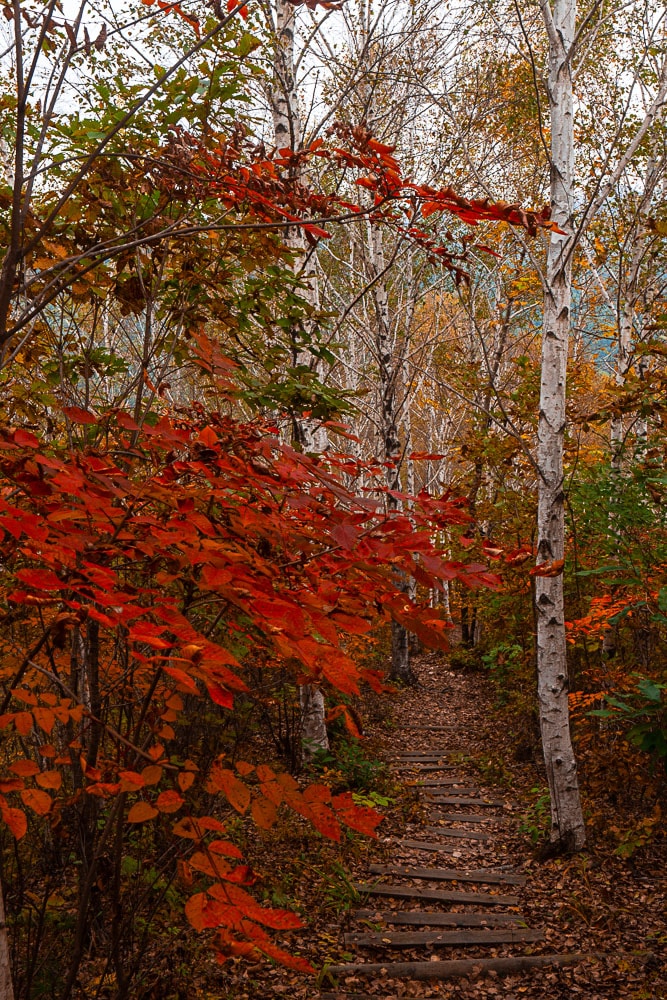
(463, 919)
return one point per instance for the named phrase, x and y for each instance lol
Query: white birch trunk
(411, 490)
(446, 606)
(388, 372)
(314, 735)
(284, 103)
(287, 128)
(6, 987)
(567, 824)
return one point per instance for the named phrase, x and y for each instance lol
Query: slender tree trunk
(313, 726)
(388, 371)
(283, 99)
(628, 297)
(617, 447)
(567, 824)
(6, 987)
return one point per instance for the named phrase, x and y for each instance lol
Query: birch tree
(285, 112)
(567, 822)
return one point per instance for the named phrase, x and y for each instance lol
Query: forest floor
(597, 903)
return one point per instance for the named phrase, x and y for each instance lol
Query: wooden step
(446, 831)
(433, 846)
(423, 918)
(448, 800)
(424, 758)
(437, 783)
(443, 939)
(469, 818)
(453, 968)
(450, 874)
(433, 796)
(427, 768)
(425, 845)
(436, 895)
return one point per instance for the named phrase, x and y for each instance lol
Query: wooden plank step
(432, 796)
(423, 918)
(435, 783)
(450, 874)
(424, 758)
(469, 818)
(453, 968)
(449, 800)
(436, 895)
(427, 768)
(428, 845)
(443, 939)
(446, 831)
(424, 845)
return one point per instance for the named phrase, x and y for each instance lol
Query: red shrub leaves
(165, 554)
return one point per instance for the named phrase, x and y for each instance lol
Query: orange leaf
(220, 695)
(185, 779)
(15, 820)
(208, 437)
(23, 723)
(79, 416)
(141, 812)
(39, 802)
(356, 817)
(244, 768)
(317, 793)
(130, 781)
(45, 719)
(294, 962)
(194, 828)
(223, 780)
(25, 439)
(554, 568)
(225, 848)
(324, 820)
(264, 813)
(194, 910)
(152, 774)
(27, 697)
(40, 579)
(24, 768)
(50, 779)
(188, 828)
(11, 785)
(184, 681)
(169, 801)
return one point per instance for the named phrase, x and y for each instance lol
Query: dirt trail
(459, 906)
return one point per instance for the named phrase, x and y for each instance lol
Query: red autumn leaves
(175, 546)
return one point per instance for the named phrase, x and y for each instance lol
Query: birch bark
(567, 824)
(388, 372)
(283, 99)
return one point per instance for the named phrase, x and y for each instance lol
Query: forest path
(450, 912)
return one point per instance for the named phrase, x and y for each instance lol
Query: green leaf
(650, 690)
